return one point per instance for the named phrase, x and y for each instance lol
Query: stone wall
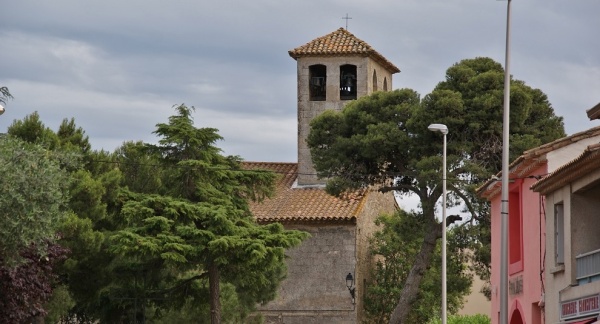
(376, 204)
(315, 288)
(307, 110)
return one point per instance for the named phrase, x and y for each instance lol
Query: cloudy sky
(118, 67)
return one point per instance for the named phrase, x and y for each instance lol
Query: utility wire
(536, 176)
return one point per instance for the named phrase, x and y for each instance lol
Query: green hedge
(464, 319)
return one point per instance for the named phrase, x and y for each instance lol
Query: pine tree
(199, 225)
(383, 139)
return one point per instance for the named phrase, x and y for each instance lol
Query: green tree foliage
(383, 140)
(532, 123)
(59, 305)
(197, 225)
(194, 313)
(32, 206)
(147, 224)
(31, 129)
(73, 138)
(78, 225)
(141, 170)
(35, 199)
(395, 246)
(479, 85)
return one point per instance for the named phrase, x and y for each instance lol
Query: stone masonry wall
(315, 288)
(307, 110)
(376, 204)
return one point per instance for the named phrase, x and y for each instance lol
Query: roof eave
(594, 112)
(307, 221)
(588, 161)
(374, 56)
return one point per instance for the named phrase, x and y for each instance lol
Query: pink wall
(525, 279)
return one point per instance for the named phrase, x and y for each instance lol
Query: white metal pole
(444, 130)
(505, 171)
(444, 295)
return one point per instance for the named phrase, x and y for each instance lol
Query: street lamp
(2, 109)
(504, 221)
(350, 284)
(444, 130)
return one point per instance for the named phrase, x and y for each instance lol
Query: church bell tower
(333, 70)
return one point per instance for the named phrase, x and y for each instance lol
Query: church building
(328, 272)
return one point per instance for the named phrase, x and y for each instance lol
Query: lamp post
(504, 195)
(444, 130)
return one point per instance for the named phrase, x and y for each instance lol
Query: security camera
(1, 109)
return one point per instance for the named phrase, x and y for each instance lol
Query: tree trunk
(215, 302)
(410, 290)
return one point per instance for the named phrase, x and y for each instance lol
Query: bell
(348, 82)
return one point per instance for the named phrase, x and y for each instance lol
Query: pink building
(527, 227)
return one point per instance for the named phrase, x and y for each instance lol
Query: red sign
(588, 304)
(569, 309)
(581, 306)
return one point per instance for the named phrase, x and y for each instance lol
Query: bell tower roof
(341, 43)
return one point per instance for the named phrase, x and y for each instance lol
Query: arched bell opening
(374, 80)
(317, 82)
(348, 82)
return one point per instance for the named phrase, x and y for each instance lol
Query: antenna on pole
(346, 20)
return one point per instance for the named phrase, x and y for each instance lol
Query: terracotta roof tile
(341, 42)
(301, 205)
(532, 159)
(585, 163)
(559, 143)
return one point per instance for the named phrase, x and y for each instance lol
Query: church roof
(292, 204)
(341, 42)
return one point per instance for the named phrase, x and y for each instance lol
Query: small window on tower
(348, 82)
(317, 82)
(374, 80)
(385, 84)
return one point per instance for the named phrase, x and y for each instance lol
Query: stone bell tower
(333, 70)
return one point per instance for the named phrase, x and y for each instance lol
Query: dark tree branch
(452, 218)
(182, 284)
(466, 201)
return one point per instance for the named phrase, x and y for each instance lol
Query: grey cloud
(117, 67)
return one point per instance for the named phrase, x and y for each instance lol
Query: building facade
(528, 224)
(573, 200)
(572, 204)
(332, 71)
(526, 248)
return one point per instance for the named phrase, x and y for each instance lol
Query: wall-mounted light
(350, 285)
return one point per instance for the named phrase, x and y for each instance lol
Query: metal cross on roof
(346, 20)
